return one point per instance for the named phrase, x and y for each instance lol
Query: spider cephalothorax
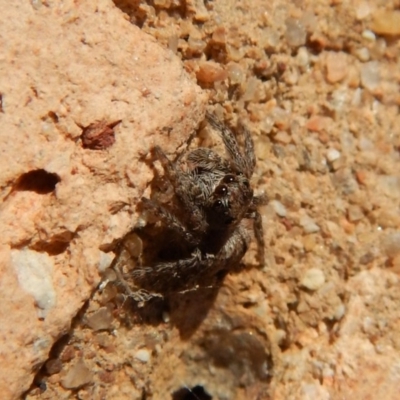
(215, 197)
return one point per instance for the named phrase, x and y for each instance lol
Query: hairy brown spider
(215, 197)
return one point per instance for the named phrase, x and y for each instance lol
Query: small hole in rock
(52, 248)
(53, 116)
(195, 393)
(39, 181)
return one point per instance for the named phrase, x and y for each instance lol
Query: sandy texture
(66, 200)
(317, 82)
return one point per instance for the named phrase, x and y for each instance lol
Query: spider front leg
(183, 184)
(243, 163)
(258, 226)
(208, 160)
(169, 220)
(259, 234)
(235, 248)
(174, 276)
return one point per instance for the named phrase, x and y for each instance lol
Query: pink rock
(64, 67)
(336, 66)
(210, 72)
(318, 123)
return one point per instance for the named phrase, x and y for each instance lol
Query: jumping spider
(215, 197)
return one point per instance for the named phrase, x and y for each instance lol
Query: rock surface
(317, 83)
(63, 67)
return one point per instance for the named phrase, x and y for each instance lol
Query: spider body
(215, 198)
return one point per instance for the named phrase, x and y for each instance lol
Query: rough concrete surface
(88, 87)
(66, 65)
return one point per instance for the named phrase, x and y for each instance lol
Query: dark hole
(53, 116)
(196, 393)
(39, 181)
(52, 248)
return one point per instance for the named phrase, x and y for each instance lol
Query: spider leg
(208, 160)
(235, 247)
(176, 275)
(186, 189)
(254, 214)
(259, 234)
(180, 155)
(240, 162)
(259, 200)
(169, 220)
(137, 294)
(249, 155)
(123, 258)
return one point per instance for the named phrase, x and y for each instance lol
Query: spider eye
(229, 179)
(221, 190)
(246, 183)
(217, 204)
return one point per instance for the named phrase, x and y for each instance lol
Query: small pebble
(196, 46)
(355, 213)
(100, 319)
(103, 339)
(236, 73)
(369, 35)
(363, 54)
(313, 279)
(53, 366)
(210, 72)
(272, 38)
(387, 218)
(78, 375)
(279, 208)
(328, 372)
(370, 76)
(332, 155)
(303, 58)
(280, 117)
(336, 66)
(309, 242)
(162, 3)
(36, 4)
(283, 137)
(219, 35)
(365, 144)
(363, 10)
(340, 310)
(344, 181)
(389, 185)
(295, 33)
(391, 244)
(251, 89)
(368, 325)
(318, 123)
(143, 355)
(386, 22)
(308, 224)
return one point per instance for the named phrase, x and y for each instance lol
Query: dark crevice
(39, 181)
(195, 393)
(52, 248)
